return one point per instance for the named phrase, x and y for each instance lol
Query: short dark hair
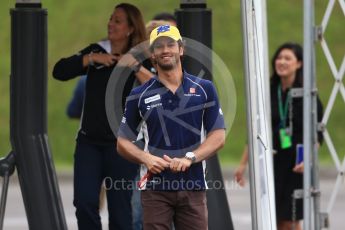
(165, 16)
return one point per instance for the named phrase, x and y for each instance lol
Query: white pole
(258, 120)
(307, 109)
(246, 7)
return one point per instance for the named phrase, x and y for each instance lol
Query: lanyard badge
(285, 138)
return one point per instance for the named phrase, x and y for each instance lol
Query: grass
(74, 24)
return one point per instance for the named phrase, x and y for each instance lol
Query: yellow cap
(165, 31)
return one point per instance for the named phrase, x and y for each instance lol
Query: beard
(166, 67)
(171, 65)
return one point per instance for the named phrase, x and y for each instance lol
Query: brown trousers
(186, 209)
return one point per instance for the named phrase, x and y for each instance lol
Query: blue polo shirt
(173, 124)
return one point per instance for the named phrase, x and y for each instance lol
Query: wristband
(136, 68)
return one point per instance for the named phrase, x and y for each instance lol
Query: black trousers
(94, 164)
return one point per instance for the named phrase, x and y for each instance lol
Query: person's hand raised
(128, 60)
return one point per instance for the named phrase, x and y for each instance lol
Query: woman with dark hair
(96, 159)
(287, 134)
(295, 50)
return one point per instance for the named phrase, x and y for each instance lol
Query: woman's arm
(70, 67)
(239, 173)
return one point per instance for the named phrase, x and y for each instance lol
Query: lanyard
(283, 110)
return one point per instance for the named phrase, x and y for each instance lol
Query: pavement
(238, 198)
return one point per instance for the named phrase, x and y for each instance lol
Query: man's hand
(155, 164)
(178, 164)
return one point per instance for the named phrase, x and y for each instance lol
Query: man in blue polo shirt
(182, 124)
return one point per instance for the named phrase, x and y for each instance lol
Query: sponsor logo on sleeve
(153, 98)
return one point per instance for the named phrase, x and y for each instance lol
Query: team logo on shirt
(192, 92)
